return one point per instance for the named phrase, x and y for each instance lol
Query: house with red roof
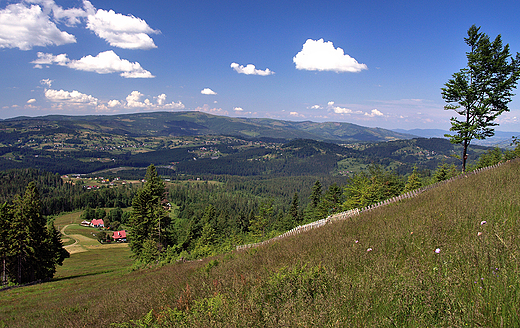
(97, 223)
(119, 236)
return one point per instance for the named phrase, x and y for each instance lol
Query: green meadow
(446, 258)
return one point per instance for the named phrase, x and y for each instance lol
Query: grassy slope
(323, 277)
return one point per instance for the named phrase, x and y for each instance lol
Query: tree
(149, 219)
(33, 249)
(294, 210)
(481, 91)
(413, 182)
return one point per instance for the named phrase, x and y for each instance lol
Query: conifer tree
(6, 217)
(413, 182)
(149, 219)
(34, 249)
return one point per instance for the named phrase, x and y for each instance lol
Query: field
(447, 258)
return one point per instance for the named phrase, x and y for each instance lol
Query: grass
(326, 277)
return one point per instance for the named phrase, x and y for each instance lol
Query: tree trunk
(464, 156)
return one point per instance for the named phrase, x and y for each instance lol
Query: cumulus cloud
(24, 27)
(133, 100)
(316, 107)
(374, 113)
(250, 69)
(30, 101)
(344, 110)
(238, 109)
(113, 103)
(104, 63)
(317, 55)
(127, 32)
(208, 91)
(33, 23)
(70, 97)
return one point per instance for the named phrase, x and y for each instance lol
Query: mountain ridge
(193, 123)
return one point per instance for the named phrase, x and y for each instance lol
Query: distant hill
(500, 139)
(193, 123)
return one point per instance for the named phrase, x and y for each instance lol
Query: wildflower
(438, 250)
(357, 241)
(369, 249)
(483, 222)
(411, 233)
(479, 233)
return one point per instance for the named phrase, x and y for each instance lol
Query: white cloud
(296, 114)
(127, 32)
(33, 23)
(250, 69)
(133, 100)
(30, 101)
(216, 111)
(317, 55)
(238, 109)
(208, 91)
(26, 27)
(46, 82)
(70, 98)
(104, 63)
(374, 113)
(113, 103)
(316, 107)
(342, 110)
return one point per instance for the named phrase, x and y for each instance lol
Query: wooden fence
(355, 212)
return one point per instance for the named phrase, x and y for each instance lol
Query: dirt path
(75, 247)
(84, 244)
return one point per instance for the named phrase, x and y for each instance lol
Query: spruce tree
(149, 219)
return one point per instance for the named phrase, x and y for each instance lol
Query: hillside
(196, 124)
(194, 143)
(448, 257)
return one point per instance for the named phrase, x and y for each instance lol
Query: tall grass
(379, 269)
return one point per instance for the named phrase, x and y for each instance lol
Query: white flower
(482, 222)
(369, 249)
(438, 250)
(479, 233)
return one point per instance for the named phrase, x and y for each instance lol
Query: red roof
(119, 234)
(97, 222)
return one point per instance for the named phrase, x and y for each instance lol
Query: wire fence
(355, 212)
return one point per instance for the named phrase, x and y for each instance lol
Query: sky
(373, 63)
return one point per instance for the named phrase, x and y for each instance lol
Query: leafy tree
(100, 213)
(481, 91)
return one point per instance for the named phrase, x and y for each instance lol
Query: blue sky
(372, 63)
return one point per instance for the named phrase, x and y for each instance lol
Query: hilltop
(195, 143)
(447, 257)
(192, 123)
